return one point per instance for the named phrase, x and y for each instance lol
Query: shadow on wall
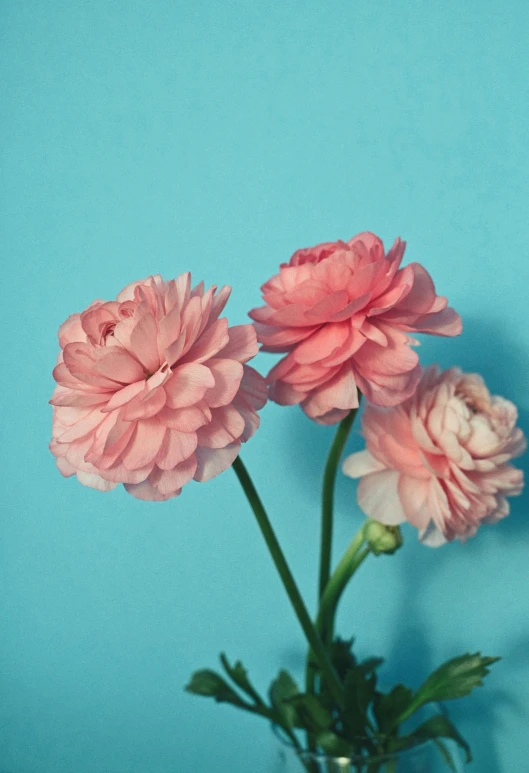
(484, 349)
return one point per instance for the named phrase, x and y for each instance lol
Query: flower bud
(382, 539)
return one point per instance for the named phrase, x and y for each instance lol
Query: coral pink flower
(441, 459)
(343, 312)
(153, 389)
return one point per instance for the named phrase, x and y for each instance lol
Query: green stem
(327, 501)
(289, 583)
(351, 560)
(349, 563)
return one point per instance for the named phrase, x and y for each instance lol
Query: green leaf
(359, 689)
(282, 689)
(310, 713)
(342, 656)
(332, 744)
(388, 708)
(454, 679)
(370, 664)
(210, 684)
(434, 728)
(240, 676)
(445, 754)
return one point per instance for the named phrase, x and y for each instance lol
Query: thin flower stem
(349, 563)
(327, 501)
(289, 583)
(351, 560)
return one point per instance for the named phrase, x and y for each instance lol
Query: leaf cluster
(370, 723)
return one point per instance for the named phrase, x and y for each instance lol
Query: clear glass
(422, 759)
(425, 758)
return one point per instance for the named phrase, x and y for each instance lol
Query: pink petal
(253, 387)
(147, 492)
(117, 364)
(227, 375)
(169, 482)
(351, 308)
(77, 399)
(188, 385)
(378, 497)
(176, 447)
(211, 341)
(285, 394)
(443, 323)
(213, 461)
(219, 302)
(324, 309)
(123, 396)
(83, 427)
(339, 392)
(242, 343)
(191, 321)
(95, 481)
(145, 444)
(146, 404)
(71, 331)
(322, 343)
(293, 314)
(278, 339)
(394, 294)
(432, 536)
(422, 295)
(185, 419)
(414, 497)
(225, 427)
(361, 463)
(169, 328)
(65, 467)
(143, 339)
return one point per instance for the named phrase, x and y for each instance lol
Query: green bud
(382, 539)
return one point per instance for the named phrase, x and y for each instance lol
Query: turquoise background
(219, 137)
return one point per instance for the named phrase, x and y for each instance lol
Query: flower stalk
(327, 502)
(289, 583)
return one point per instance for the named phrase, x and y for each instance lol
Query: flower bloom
(441, 459)
(343, 312)
(153, 389)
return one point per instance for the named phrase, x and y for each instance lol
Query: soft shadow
(482, 348)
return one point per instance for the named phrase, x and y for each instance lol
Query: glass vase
(425, 758)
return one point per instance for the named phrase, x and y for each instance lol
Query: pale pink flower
(343, 312)
(441, 460)
(153, 389)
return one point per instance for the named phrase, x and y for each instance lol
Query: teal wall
(219, 137)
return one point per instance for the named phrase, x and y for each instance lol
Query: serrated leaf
(455, 678)
(239, 675)
(211, 685)
(282, 689)
(310, 713)
(388, 708)
(434, 728)
(332, 744)
(342, 656)
(370, 664)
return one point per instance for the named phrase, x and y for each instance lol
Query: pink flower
(153, 389)
(343, 312)
(441, 459)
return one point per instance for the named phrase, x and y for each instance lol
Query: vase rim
(310, 756)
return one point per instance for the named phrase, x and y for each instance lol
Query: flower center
(107, 332)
